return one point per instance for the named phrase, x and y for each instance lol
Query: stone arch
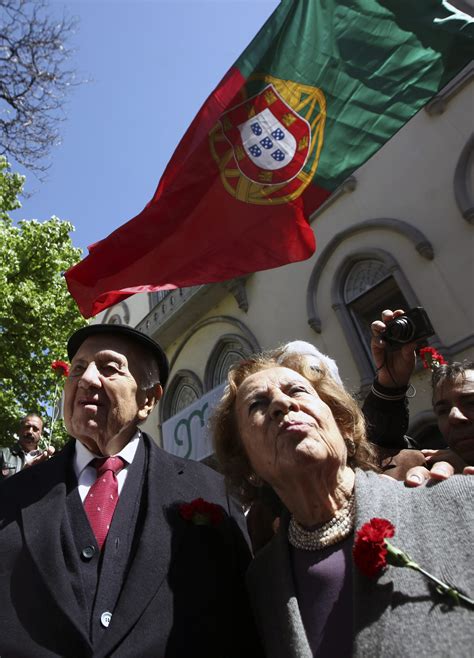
(184, 388)
(421, 243)
(228, 349)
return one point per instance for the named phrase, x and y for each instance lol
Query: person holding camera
(394, 339)
(25, 451)
(386, 408)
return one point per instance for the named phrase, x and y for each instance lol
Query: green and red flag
(323, 85)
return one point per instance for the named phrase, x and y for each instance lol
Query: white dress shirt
(87, 474)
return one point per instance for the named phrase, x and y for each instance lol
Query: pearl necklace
(335, 530)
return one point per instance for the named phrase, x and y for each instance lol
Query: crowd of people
(114, 547)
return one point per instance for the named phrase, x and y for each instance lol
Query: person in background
(116, 547)
(290, 426)
(25, 451)
(386, 410)
(386, 406)
(453, 405)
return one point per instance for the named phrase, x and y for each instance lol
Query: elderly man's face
(103, 401)
(454, 407)
(30, 432)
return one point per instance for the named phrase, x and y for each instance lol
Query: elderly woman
(294, 428)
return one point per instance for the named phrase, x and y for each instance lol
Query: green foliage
(11, 186)
(37, 314)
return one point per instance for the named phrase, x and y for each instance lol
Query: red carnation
(200, 512)
(370, 552)
(61, 368)
(431, 358)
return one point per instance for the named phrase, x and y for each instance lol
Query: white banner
(187, 433)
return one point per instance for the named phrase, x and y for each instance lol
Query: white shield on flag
(269, 138)
(267, 142)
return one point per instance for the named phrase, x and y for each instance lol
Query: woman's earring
(351, 447)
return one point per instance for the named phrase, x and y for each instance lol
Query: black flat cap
(78, 337)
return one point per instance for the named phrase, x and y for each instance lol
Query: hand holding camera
(393, 343)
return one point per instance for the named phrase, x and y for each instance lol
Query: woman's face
(285, 427)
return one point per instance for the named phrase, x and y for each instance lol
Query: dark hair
(32, 414)
(228, 446)
(450, 372)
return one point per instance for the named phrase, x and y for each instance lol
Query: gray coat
(397, 615)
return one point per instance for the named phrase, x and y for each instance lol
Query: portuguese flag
(323, 85)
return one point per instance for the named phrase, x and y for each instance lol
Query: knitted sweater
(398, 614)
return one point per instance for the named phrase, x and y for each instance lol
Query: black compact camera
(412, 325)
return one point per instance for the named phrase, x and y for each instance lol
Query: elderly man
(13, 459)
(115, 547)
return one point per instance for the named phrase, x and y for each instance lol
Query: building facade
(398, 234)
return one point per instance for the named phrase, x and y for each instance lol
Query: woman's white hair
(313, 356)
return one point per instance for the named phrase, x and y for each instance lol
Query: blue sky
(150, 65)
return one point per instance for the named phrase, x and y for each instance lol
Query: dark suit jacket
(183, 594)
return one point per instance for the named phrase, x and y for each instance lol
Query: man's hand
(394, 368)
(432, 457)
(443, 463)
(43, 456)
(419, 475)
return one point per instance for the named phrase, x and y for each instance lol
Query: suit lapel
(42, 530)
(150, 564)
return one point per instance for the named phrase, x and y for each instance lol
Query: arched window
(365, 284)
(184, 389)
(370, 288)
(117, 314)
(229, 350)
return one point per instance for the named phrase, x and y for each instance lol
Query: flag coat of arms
(270, 141)
(319, 90)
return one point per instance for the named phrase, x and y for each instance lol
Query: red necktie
(101, 500)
